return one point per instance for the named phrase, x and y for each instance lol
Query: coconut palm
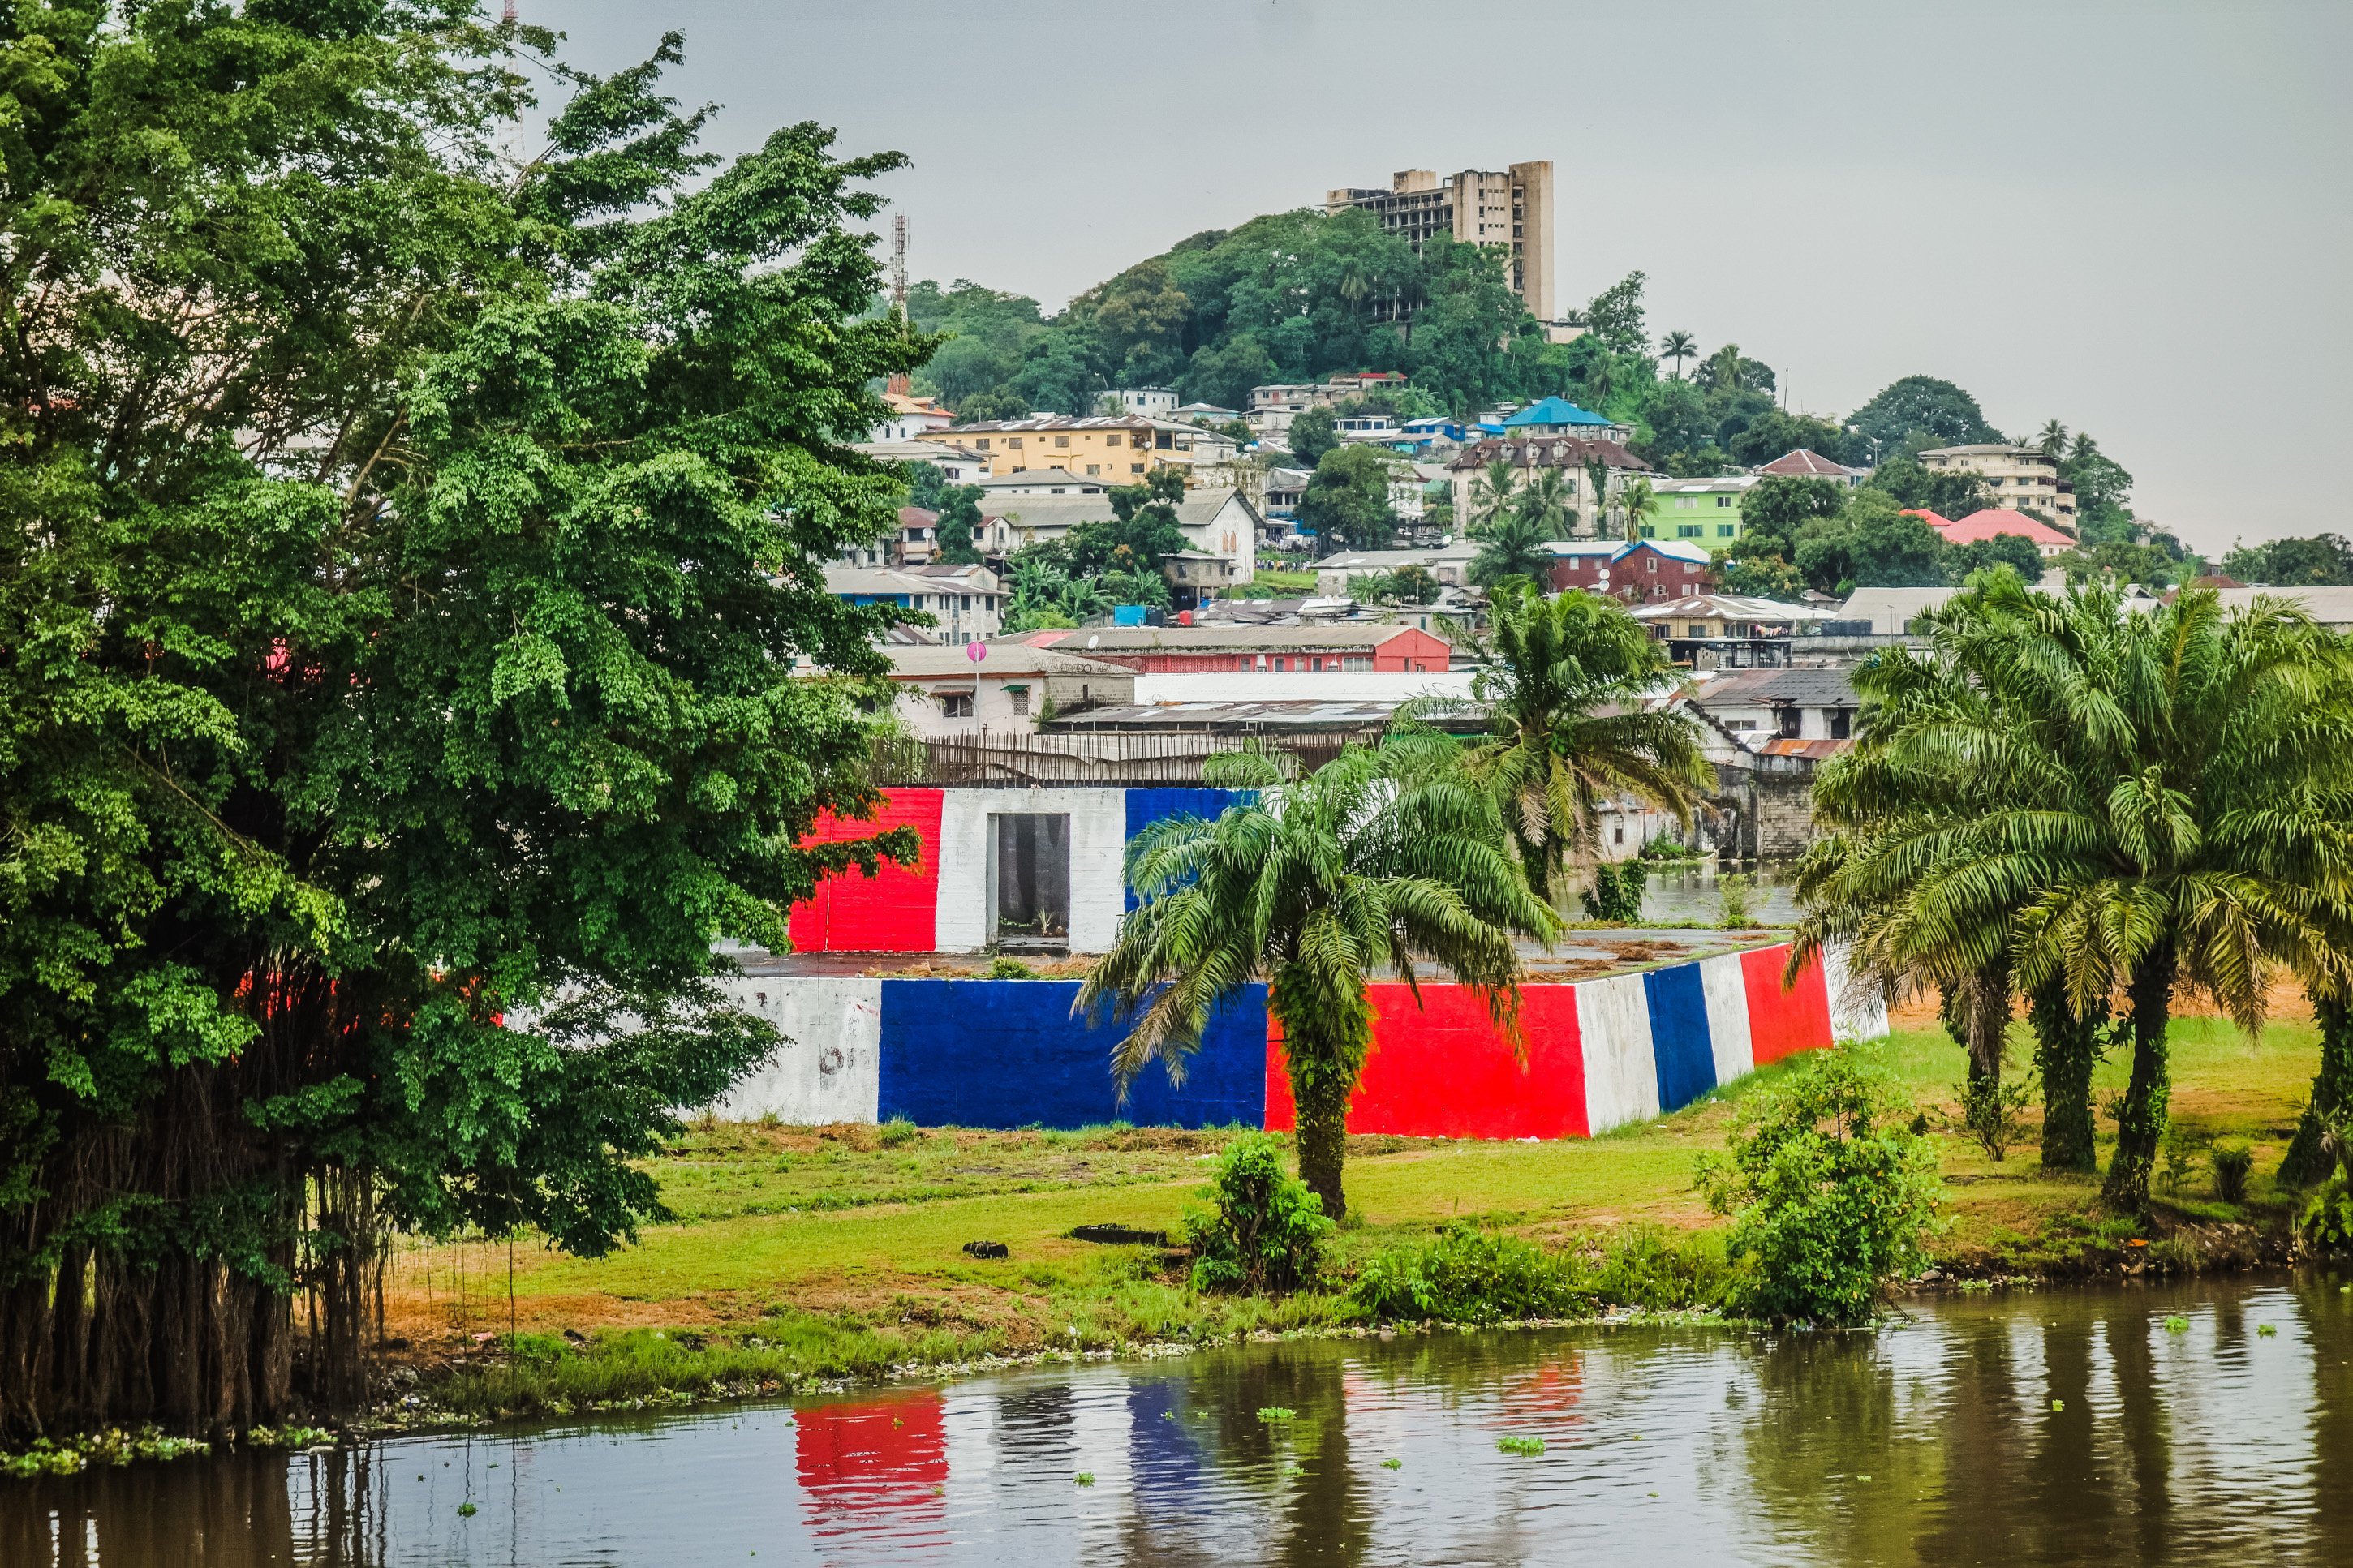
(1376, 862)
(1565, 701)
(1514, 545)
(1723, 368)
(1491, 494)
(2052, 440)
(1678, 347)
(2112, 805)
(1636, 502)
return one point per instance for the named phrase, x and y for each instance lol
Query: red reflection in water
(869, 1468)
(1553, 1386)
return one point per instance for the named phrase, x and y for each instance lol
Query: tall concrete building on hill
(1476, 206)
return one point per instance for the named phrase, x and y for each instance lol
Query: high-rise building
(1476, 206)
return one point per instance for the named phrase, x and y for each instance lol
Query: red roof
(1807, 465)
(1981, 525)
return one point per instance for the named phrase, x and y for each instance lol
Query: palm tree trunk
(2332, 1094)
(2142, 1121)
(1324, 1052)
(1323, 1102)
(2065, 1050)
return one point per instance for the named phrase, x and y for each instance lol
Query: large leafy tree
(2108, 805)
(1919, 406)
(1377, 860)
(1567, 700)
(395, 613)
(1347, 500)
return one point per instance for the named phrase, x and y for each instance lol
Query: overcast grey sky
(2134, 219)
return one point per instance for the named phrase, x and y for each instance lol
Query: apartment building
(967, 601)
(1116, 448)
(1589, 512)
(1152, 402)
(1214, 521)
(2021, 478)
(1512, 208)
(1703, 511)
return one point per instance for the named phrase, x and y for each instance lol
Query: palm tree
(1491, 495)
(2110, 804)
(1600, 381)
(1678, 347)
(1566, 705)
(1723, 368)
(1354, 283)
(1514, 545)
(1378, 861)
(1637, 501)
(2053, 441)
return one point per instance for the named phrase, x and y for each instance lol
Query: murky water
(1692, 893)
(2044, 1428)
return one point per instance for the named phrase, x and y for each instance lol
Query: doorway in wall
(1029, 883)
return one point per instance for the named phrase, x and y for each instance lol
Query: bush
(1662, 847)
(1828, 1189)
(1736, 901)
(1264, 1229)
(2327, 1223)
(1470, 1275)
(1617, 895)
(2232, 1162)
(1009, 969)
(1990, 1112)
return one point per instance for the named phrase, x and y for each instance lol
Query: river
(2045, 1427)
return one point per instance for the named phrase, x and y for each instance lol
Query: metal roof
(1780, 687)
(1218, 639)
(1555, 411)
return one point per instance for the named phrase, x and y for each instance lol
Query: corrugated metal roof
(1820, 751)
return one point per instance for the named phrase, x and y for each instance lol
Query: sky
(2134, 219)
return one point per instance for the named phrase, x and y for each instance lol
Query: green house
(1705, 513)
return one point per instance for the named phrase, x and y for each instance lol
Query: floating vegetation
(1276, 1412)
(2265, 1331)
(467, 1510)
(1519, 1443)
(2177, 1325)
(1392, 1464)
(113, 1446)
(1084, 1478)
(2058, 1405)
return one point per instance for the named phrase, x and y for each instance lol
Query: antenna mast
(511, 138)
(898, 269)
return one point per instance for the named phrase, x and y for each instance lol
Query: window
(1785, 721)
(981, 445)
(956, 705)
(1094, 468)
(1650, 564)
(1724, 500)
(1697, 629)
(1740, 723)
(1061, 440)
(1726, 529)
(1318, 664)
(1689, 530)
(1619, 834)
(1357, 662)
(1841, 723)
(1013, 440)
(1165, 440)
(1135, 468)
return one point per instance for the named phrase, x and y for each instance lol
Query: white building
(957, 465)
(1152, 402)
(912, 417)
(946, 691)
(966, 602)
(1447, 564)
(1214, 521)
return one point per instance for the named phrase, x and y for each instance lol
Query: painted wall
(1597, 1055)
(892, 911)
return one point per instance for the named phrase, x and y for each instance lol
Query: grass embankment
(837, 1252)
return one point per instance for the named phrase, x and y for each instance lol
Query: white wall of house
(1098, 844)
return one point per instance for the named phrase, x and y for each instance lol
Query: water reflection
(2051, 1428)
(1677, 893)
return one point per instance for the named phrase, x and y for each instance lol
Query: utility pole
(511, 137)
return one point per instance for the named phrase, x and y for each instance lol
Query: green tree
(450, 531)
(1224, 373)
(2113, 802)
(1922, 404)
(959, 519)
(1513, 541)
(1871, 543)
(1314, 432)
(1144, 525)
(1314, 885)
(1678, 347)
(1347, 500)
(1773, 433)
(1759, 574)
(1779, 507)
(997, 403)
(2052, 441)
(2021, 555)
(2102, 490)
(1951, 493)
(1615, 316)
(1565, 701)
(1636, 502)
(2323, 560)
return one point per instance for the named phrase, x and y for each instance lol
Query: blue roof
(1553, 411)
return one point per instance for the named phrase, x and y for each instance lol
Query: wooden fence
(1114, 760)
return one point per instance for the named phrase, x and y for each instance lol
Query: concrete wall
(827, 1069)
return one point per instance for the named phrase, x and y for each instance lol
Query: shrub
(1736, 901)
(1990, 1112)
(1264, 1230)
(2179, 1149)
(1470, 1275)
(1662, 847)
(2174, 1256)
(1828, 1190)
(2327, 1223)
(2231, 1164)
(895, 1131)
(1617, 895)
(1001, 968)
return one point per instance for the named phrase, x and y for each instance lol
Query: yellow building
(1116, 449)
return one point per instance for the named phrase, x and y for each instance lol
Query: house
(1756, 708)
(912, 418)
(1195, 577)
(1704, 510)
(1367, 426)
(966, 602)
(1152, 402)
(1646, 571)
(1206, 412)
(1116, 448)
(1804, 465)
(1214, 522)
(1053, 481)
(958, 465)
(1558, 417)
(1447, 563)
(946, 691)
(919, 536)
(1286, 487)
(1987, 524)
(1725, 631)
(1567, 454)
(2021, 478)
(1318, 650)
(1892, 611)
(1583, 562)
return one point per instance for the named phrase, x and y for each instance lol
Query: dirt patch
(2283, 1003)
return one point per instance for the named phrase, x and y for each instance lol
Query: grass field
(841, 1248)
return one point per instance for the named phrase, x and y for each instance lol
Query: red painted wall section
(1781, 1022)
(895, 910)
(1444, 1070)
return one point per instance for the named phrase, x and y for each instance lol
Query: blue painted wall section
(1008, 1053)
(1145, 806)
(1679, 1037)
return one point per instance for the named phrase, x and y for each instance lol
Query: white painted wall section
(1726, 992)
(1621, 1069)
(1862, 1016)
(829, 1067)
(1098, 842)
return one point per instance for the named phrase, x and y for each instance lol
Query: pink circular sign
(976, 651)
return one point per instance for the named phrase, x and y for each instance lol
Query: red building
(1191, 650)
(1650, 572)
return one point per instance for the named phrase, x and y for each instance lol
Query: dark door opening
(1029, 877)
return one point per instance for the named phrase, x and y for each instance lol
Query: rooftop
(1726, 606)
(1203, 639)
(1197, 509)
(1026, 478)
(1986, 450)
(1003, 658)
(1981, 525)
(1547, 451)
(1666, 487)
(1673, 549)
(1555, 411)
(1780, 687)
(1804, 465)
(1390, 560)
